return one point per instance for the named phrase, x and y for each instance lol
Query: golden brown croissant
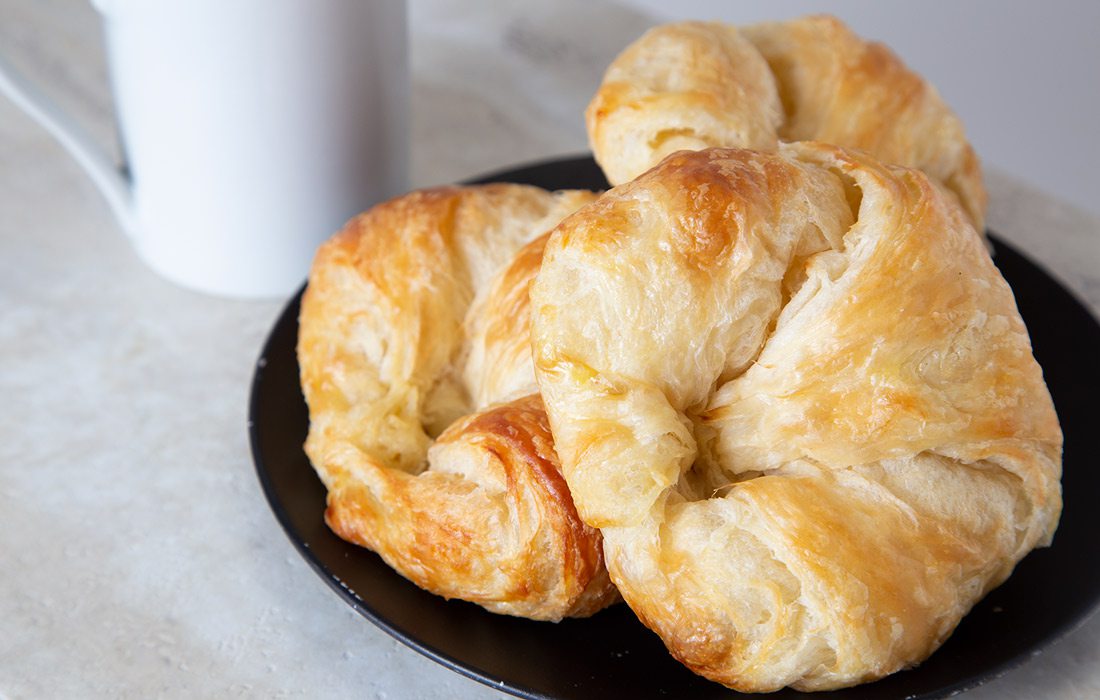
(694, 85)
(413, 318)
(796, 395)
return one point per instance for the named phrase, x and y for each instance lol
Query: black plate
(612, 654)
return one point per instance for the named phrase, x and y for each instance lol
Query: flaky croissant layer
(796, 395)
(693, 85)
(425, 423)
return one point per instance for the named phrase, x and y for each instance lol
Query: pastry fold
(797, 397)
(425, 423)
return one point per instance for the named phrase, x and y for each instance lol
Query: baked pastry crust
(796, 395)
(695, 85)
(416, 315)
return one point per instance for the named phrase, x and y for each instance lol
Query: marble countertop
(138, 557)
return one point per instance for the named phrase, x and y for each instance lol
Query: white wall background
(1024, 76)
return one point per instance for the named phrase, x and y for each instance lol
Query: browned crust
(482, 513)
(434, 534)
(820, 506)
(678, 80)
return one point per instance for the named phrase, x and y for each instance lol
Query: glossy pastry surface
(425, 422)
(694, 85)
(796, 395)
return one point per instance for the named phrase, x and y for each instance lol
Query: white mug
(251, 130)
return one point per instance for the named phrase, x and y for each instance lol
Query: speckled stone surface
(138, 557)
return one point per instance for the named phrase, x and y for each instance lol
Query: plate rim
(363, 608)
(298, 540)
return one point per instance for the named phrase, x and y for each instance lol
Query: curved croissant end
(425, 424)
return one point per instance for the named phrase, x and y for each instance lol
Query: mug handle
(113, 181)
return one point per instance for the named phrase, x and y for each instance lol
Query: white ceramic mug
(251, 130)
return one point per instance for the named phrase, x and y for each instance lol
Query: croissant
(425, 423)
(797, 398)
(694, 85)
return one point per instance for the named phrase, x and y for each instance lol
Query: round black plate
(612, 654)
